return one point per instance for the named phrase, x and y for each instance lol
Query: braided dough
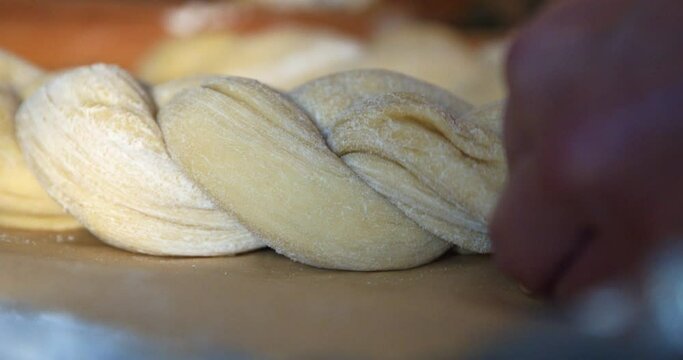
(362, 170)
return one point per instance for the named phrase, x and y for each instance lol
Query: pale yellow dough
(23, 203)
(91, 137)
(285, 57)
(20, 75)
(282, 57)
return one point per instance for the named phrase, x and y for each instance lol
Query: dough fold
(91, 138)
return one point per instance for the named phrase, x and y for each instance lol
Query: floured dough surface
(430, 153)
(326, 97)
(91, 138)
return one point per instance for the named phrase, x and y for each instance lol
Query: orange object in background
(75, 32)
(58, 34)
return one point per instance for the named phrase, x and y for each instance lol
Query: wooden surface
(262, 304)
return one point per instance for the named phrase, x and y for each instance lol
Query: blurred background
(458, 44)
(69, 32)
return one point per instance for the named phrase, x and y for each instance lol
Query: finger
(549, 66)
(534, 232)
(611, 256)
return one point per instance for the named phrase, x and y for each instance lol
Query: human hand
(594, 140)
